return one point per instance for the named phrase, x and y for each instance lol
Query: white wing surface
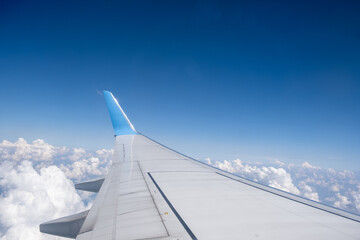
(153, 192)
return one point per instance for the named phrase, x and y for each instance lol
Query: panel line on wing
(153, 199)
(320, 206)
(293, 199)
(188, 230)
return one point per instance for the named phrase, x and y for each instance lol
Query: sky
(253, 80)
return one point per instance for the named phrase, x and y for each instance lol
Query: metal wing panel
(124, 202)
(218, 208)
(168, 195)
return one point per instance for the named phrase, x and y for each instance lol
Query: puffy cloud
(208, 161)
(31, 197)
(271, 176)
(36, 184)
(77, 153)
(308, 165)
(83, 168)
(333, 187)
(77, 163)
(308, 192)
(226, 166)
(356, 196)
(86, 164)
(342, 201)
(20, 150)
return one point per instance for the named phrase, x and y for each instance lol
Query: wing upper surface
(162, 194)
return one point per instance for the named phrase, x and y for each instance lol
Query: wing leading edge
(154, 192)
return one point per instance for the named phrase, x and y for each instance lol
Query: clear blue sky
(251, 79)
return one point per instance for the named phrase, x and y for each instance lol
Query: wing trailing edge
(90, 186)
(68, 226)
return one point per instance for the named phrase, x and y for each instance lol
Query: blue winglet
(120, 122)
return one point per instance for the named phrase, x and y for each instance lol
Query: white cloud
(226, 166)
(31, 197)
(356, 196)
(308, 192)
(271, 176)
(342, 201)
(77, 153)
(34, 190)
(20, 150)
(208, 161)
(77, 163)
(308, 165)
(84, 167)
(337, 188)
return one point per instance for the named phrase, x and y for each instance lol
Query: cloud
(308, 191)
(356, 196)
(31, 197)
(342, 201)
(36, 182)
(20, 150)
(271, 176)
(340, 189)
(84, 167)
(308, 165)
(208, 161)
(335, 187)
(77, 163)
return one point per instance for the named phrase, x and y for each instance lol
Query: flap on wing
(120, 122)
(90, 186)
(68, 226)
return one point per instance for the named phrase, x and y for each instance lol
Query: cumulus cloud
(335, 187)
(308, 191)
(83, 167)
(20, 150)
(271, 176)
(308, 165)
(77, 163)
(340, 189)
(36, 181)
(341, 201)
(30, 197)
(356, 196)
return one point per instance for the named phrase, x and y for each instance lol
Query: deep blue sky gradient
(248, 79)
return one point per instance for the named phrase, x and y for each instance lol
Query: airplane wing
(154, 192)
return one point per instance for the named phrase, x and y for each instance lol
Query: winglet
(120, 122)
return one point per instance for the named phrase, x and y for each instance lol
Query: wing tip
(120, 122)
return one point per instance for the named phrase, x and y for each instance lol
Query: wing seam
(352, 216)
(188, 230)
(295, 200)
(167, 232)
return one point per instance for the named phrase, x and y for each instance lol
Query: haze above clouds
(37, 178)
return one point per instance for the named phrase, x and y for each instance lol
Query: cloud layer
(340, 189)
(36, 183)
